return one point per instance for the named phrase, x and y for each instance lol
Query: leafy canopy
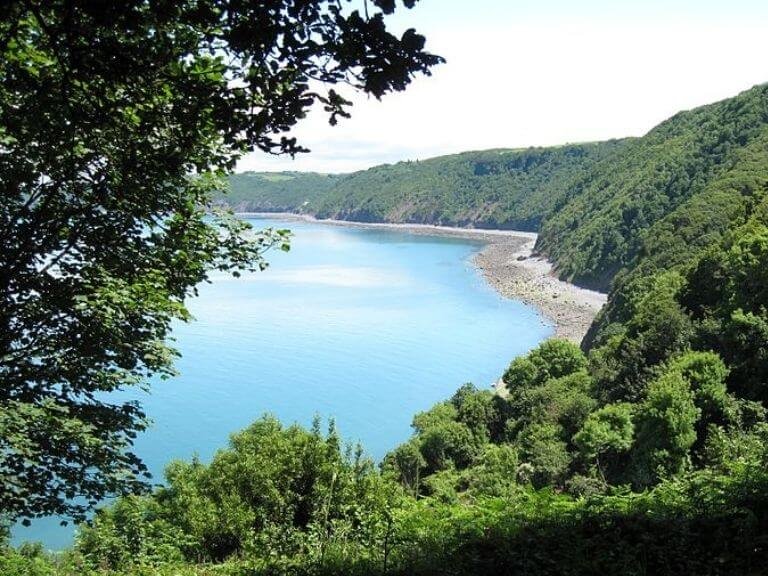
(117, 121)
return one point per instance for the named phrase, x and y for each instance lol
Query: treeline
(490, 189)
(291, 501)
(664, 197)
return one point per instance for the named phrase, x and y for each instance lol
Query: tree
(658, 328)
(666, 429)
(481, 411)
(706, 374)
(541, 446)
(274, 491)
(407, 463)
(440, 413)
(566, 401)
(495, 473)
(117, 121)
(552, 359)
(448, 444)
(607, 434)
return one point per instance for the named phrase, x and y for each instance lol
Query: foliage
(276, 493)
(117, 122)
(552, 359)
(706, 522)
(451, 435)
(656, 197)
(666, 429)
(511, 189)
(607, 434)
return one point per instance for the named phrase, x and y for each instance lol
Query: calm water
(365, 326)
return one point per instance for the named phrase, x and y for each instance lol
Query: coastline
(425, 229)
(508, 264)
(516, 272)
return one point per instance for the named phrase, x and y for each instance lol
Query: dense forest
(489, 189)
(510, 189)
(644, 451)
(665, 196)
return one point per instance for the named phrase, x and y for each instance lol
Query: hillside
(510, 189)
(665, 195)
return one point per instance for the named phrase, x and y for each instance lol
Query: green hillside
(601, 208)
(667, 194)
(489, 189)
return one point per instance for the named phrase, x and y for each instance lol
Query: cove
(365, 326)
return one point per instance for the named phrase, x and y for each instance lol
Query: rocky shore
(513, 270)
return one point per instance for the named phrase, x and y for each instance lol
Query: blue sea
(365, 326)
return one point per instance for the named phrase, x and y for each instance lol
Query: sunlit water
(365, 326)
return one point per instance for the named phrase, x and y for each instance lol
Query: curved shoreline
(508, 264)
(515, 272)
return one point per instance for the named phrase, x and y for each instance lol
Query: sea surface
(365, 326)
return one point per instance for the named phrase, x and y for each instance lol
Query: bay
(365, 326)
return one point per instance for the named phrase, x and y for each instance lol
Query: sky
(542, 72)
